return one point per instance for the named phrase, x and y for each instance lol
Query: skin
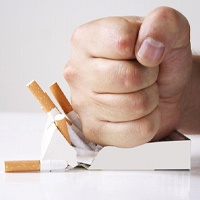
(134, 79)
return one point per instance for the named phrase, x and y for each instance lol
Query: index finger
(111, 38)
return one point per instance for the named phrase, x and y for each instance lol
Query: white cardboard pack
(173, 153)
(55, 147)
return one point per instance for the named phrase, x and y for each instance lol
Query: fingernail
(151, 50)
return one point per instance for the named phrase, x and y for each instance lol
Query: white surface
(35, 39)
(20, 136)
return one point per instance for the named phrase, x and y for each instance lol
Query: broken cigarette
(35, 165)
(65, 105)
(41, 96)
(60, 121)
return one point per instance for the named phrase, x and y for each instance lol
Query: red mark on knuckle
(124, 45)
(140, 103)
(130, 77)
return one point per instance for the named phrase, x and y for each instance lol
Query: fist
(128, 76)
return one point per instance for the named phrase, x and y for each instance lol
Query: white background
(35, 40)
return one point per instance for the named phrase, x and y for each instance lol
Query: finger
(164, 39)
(123, 134)
(111, 76)
(124, 107)
(112, 37)
(162, 30)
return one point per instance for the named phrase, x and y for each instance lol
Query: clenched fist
(128, 76)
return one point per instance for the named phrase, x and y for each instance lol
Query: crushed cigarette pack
(172, 153)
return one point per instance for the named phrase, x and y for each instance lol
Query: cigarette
(61, 98)
(35, 165)
(47, 104)
(60, 121)
(41, 96)
(65, 105)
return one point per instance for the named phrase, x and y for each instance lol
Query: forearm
(190, 109)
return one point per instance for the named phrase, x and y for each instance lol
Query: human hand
(128, 76)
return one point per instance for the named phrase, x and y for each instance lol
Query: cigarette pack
(55, 146)
(172, 153)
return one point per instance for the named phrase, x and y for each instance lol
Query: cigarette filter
(35, 165)
(22, 166)
(61, 98)
(41, 96)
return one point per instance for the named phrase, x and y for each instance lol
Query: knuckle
(148, 130)
(123, 34)
(149, 125)
(147, 100)
(76, 35)
(144, 103)
(140, 103)
(66, 72)
(124, 44)
(133, 77)
(130, 77)
(69, 73)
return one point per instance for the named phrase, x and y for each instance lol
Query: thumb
(162, 31)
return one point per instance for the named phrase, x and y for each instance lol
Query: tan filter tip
(61, 98)
(22, 166)
(41, 96)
